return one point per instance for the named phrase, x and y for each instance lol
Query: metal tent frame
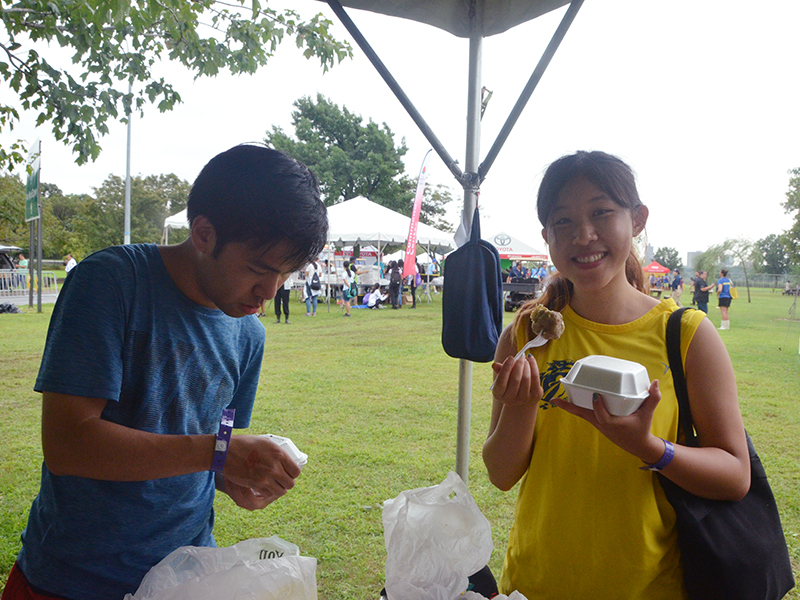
(473, 19)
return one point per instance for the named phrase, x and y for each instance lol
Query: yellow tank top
(590, 524)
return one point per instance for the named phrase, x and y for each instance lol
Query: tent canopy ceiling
(453, 16)
(362, 221)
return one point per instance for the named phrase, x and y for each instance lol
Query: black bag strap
(686, 424)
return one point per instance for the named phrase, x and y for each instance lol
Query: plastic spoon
(534, 343)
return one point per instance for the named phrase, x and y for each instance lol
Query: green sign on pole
(32, 187)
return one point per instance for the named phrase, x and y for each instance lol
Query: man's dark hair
(261, 196)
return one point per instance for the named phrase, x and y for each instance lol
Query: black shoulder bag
(472, 299)
(729, 550)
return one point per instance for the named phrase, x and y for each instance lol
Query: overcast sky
(700, 98)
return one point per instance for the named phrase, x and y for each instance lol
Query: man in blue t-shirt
(149, 350)
(677, 287)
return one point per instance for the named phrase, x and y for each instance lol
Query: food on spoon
(547, 323)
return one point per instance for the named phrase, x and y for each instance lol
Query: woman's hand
(516, 381)
(516, 392)
(632, 432)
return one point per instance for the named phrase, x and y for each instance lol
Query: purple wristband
(223, 440)
(666, 458)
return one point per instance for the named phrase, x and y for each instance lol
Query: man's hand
(242, 495)
(257, 471)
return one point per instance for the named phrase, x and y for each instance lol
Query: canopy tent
(361, 221)
(473, 19)
(513, 249)
(176, 221)
(655, 267)
(423, 258)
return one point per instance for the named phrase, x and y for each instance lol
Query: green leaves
(115, 42)
(352, 158)
(791, 238)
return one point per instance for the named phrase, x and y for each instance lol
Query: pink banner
(410, 263)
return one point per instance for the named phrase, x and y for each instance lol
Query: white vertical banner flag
(410, 262)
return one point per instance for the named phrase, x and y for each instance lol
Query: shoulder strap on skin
(679, 378)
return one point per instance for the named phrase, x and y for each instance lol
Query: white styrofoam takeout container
(623, 384)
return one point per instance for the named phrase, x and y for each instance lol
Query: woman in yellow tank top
(589, 522)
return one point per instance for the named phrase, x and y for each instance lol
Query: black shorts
(724, 302)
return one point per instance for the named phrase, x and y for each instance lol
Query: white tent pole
(470, 201)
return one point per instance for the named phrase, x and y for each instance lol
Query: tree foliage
(791, 237)
(13, 228)
(668, 257)
(114, 43)
(349, 157)
(80, 224)
(153, 198)
(771, 255)
(736, 251)
(433, 209)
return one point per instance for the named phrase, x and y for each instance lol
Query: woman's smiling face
(590, 235)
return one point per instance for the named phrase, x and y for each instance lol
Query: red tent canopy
(655, 267)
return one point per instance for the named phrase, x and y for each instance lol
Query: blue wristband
(223, 440)
(669, 452)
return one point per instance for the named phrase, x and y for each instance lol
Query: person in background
(310, 295)
(677, 287)
(724, 298)
(69, 263)
(413, 281)
(282, 297)
(22, 276)
(149, 352)
(590, 521)
(701, 289)
(376, 297)
(347, 282)
(517, 271)
(395, 284)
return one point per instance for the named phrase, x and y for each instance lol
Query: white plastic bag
(436, 537)
(255, 569)
(475, 596)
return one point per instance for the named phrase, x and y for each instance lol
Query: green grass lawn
(373, 401)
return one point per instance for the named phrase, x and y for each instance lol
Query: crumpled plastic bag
(436, 537)
(255, 569)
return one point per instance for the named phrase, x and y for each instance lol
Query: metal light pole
(127, 232)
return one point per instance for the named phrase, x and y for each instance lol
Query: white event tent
(361, 221)
(511, 248)
(176, 221)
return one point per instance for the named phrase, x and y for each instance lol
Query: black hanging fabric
(472, 302)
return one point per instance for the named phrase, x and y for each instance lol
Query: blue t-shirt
(123, 331)
(726, 287)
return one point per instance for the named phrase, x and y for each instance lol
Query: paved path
(23, 300)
